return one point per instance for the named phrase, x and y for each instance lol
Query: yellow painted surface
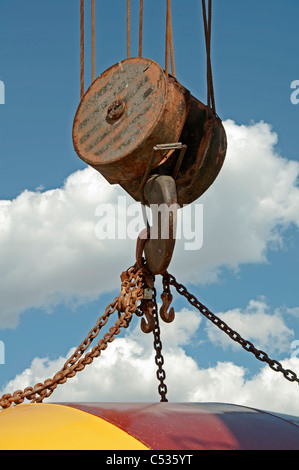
(58, 427)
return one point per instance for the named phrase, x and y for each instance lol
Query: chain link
(247, 345)
(159, 359)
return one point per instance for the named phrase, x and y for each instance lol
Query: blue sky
(248, 266)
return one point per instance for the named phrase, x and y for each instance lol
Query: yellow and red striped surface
(144, 426)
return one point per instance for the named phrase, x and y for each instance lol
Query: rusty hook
(141, 241)
(158, 240)
(167, 316)
(148, 325)
(166, 297)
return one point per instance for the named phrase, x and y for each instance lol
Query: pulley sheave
(128, 109)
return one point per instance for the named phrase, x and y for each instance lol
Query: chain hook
(148, 325)
(166, 314)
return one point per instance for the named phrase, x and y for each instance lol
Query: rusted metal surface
(116, 110)
(206, 142)
(141, 241)
(127, 110)
(158, 240)
(167, 314)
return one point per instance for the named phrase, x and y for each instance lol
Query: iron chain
(159, 360)
(126, 305)
(247, 345)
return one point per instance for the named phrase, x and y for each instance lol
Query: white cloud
(126, 372)
(50, 254)
(246, 210)
(293, 311)
(49, 251)
(257, 324)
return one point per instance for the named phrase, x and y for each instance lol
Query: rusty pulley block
(134, 106)
(132, 125)
(129, 109)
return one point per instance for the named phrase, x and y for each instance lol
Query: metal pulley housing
(127, 110)
(206, 144)
(132, 107)
(129, 126)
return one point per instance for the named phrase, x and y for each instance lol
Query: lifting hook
(148, 325)
(157, 241)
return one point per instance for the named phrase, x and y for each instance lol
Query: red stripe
(167, 426)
